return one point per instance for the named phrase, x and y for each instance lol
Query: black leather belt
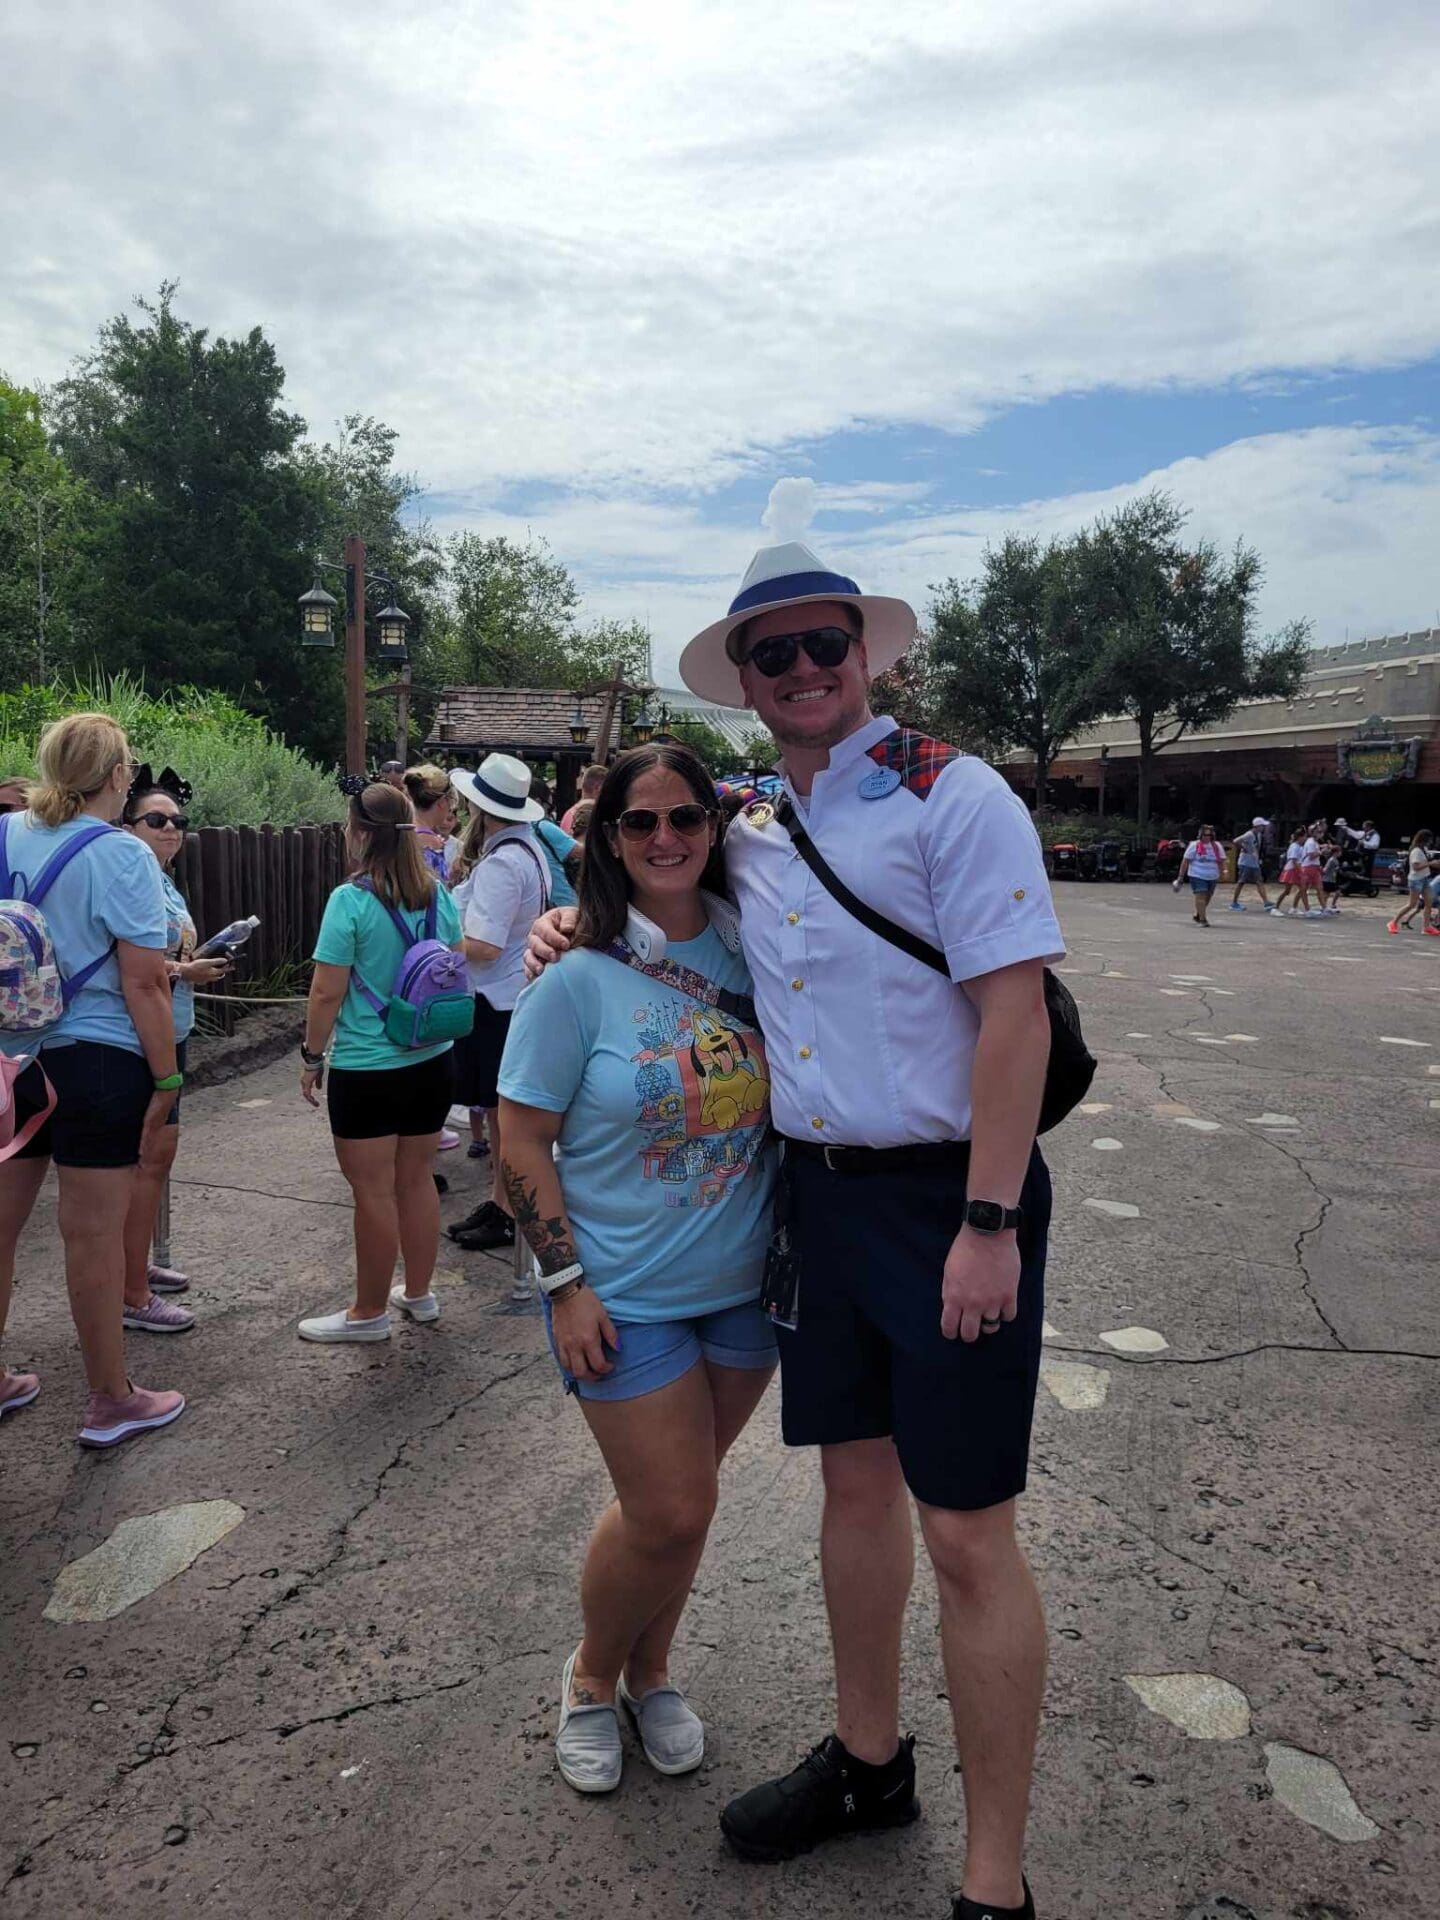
(933, 1156)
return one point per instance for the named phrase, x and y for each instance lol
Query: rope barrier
(252, 1000)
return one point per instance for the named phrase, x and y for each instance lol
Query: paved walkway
(344, 1704)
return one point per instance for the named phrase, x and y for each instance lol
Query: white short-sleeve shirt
(499, 900)
(867, 1046)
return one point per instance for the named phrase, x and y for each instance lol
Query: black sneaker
(477, 1217)
(980, 1910)
(826, 1795)
(492, 1233)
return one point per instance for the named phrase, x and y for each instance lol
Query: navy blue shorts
(867, 1359)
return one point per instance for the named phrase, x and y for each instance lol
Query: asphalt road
(345, 1705)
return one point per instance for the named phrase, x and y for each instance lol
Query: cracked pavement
(346, 1706)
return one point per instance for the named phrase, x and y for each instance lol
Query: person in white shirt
(1312, 879)
(1290, 873)
(1249, 869)
(915, 1198)
(500, 885)
(1200, 864)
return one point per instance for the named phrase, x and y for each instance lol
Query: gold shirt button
(818, 1123)
(793, 918)
(804, 1053)
(797, 984)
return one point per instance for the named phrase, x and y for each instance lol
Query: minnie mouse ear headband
(167, 781)
(355, 785)
(789, 576)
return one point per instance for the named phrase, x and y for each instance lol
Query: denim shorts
(654, 1353)
(1205, 887)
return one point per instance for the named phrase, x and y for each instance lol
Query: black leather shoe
(497, 1230)
(477, 1217)
(825, 1796)
(978, 1909)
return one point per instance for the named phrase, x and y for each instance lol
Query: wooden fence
(285, 874)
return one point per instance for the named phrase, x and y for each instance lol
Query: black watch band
(988, 1216)
(311, 1060)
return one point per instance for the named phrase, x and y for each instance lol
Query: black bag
(1072, 1065)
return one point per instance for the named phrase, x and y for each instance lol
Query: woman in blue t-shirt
(386, 1103)
(154, 813)
(635, 1114)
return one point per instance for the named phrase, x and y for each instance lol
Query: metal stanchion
(160, 1244)
(523, 1291)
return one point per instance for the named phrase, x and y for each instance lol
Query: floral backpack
(33, 992)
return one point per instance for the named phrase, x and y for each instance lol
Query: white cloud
(653, 244)
(1344, 518)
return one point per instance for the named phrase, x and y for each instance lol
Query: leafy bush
(243, 775)
(1088, 829)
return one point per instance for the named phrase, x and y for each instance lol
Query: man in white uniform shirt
(918, 1202)
(915, 1354)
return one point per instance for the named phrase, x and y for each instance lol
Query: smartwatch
(988, 1216)
(313, 1061)
(552, 1283)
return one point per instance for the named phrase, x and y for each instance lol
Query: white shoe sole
(362, 1336)
(112, 1436)
(19, 1400)
(580, 1782)
(154, 1326)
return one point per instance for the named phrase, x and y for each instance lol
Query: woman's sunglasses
(157, 822)
(826, 647)
(638, 823)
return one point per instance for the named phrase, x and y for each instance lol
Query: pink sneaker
(167, 1280)
(17, 1390)
(449, 1140)
(159, 1316)
(108, 1421)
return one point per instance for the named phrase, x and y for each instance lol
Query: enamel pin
(880, 784)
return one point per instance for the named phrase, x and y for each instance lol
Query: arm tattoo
(550, 1241)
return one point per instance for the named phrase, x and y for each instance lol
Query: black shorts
(477, 1056)
(102, 1094)
(867, 1359)
(373, 1103)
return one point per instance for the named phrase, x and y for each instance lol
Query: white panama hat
(499, 786)
(788, 576)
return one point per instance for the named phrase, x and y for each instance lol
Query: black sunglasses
(157, 822)
(638, 823)
(826, 647)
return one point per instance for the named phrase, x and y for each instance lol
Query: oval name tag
(880, 784)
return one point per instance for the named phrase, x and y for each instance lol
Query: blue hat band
(792, 586)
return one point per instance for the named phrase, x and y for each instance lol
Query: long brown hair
(382, 839)
(603, 891)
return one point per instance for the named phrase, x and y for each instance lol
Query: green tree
(1174, 628)
(1012, 660)
(596, 654)
(512, 612)
(911, 691)
(48, 520)
(211, 516)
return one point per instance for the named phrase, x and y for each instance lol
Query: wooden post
(402, 717)
(354, 654)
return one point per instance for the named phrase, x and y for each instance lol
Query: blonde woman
(428, 790)
(109, 1059)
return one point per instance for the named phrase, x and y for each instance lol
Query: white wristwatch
(552, 1282)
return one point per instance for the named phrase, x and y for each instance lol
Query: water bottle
(222, 945)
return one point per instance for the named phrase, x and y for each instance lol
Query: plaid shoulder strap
(917, 758)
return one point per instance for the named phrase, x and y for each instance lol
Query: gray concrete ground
(345, 1705)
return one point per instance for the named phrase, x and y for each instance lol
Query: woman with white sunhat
(500, 882)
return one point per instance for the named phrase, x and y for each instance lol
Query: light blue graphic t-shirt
(357, 932)
(663, 1161)
(109, 891)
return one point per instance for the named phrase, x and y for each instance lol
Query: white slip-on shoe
(424, 1308)
(587, 1746)
(671, 1732)
(339, 1326)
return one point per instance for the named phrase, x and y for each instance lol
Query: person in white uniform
(916, 1202)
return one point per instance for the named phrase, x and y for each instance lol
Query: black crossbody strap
(686, 980)
(868, 916)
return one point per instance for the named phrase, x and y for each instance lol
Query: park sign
(1377, 756)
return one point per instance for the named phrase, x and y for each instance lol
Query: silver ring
(990, 1326)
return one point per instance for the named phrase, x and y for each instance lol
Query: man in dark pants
(919, 1202)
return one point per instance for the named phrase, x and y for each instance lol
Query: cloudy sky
(615, 270)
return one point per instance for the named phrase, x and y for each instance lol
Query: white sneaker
(339, 1326)
(587, 1746)
(424, 1308)
(671, 1732)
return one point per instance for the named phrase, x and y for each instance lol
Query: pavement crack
(1307, 1233)
(1113, 1358)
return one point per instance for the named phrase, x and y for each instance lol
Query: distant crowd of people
(1319, 861)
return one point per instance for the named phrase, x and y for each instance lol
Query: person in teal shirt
(387, 1103)
(635, 1109)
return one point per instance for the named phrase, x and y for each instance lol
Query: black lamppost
(317, 610)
